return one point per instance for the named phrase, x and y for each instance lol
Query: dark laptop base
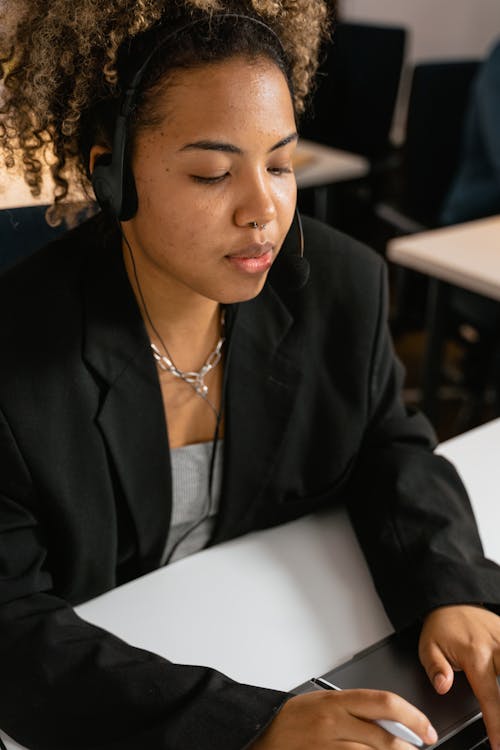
(392, 664)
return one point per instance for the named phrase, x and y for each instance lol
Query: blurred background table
(15, 193)
(465, 255)
(318, 166)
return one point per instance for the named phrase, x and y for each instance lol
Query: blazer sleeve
(409, 507)
(66, 684)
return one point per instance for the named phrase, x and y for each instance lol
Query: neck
(179, 321)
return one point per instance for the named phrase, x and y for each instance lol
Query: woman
(174, 341)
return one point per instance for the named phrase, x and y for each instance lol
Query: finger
(482, 676)
(374, 705)
(377, 737)
(438, 668)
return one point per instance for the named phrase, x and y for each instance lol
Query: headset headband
(112, 178)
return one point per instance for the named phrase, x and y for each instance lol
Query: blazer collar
(262, 375)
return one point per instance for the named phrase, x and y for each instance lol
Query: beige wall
(438, 28)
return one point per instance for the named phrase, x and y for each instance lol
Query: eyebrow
(230, 148)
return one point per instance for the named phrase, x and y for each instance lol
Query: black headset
(112, 178)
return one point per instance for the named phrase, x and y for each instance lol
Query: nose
(256, 205)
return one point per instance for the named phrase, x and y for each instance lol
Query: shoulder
(489, 73)
(494, 54)
(42, 292)
(326, 243)
(54, 266)
(346, 284)
(340, 263)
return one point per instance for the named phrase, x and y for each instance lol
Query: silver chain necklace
(195, 379)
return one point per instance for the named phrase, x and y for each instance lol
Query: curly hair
(62, 72)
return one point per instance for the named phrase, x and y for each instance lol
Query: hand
(465, 638)
(328, 719)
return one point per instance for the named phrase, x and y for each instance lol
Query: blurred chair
(353, 105)
(358, 83)
(22, 231)
(438, 104)
(475, 194)
(439, 94)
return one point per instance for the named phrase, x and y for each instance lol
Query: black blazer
(313, 418)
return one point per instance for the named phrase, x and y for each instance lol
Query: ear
(95, 153)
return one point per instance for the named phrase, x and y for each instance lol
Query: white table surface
(324, 166)
(299, 596)
(301, 593)
(327, 165)
(467, 255)
(14, 192)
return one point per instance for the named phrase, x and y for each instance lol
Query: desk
(319, 166)
(15, 193)
(327, 608)
(466, 255)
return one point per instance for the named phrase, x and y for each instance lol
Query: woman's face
(220, 160)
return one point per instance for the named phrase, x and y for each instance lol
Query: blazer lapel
(263, 374)
(130, 414)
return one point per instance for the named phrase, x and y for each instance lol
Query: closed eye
(219, 178)
(209, 180)
(280, 170)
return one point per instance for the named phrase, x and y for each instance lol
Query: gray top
(193, 511)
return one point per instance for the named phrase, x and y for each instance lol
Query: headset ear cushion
(103, 183)
(130, 201)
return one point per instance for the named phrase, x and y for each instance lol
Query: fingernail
(431, 735)
(440, 681)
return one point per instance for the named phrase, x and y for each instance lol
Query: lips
(253, 259)
(256, 250)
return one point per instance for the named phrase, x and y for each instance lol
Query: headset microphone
(298, 270)
(291, 270)
(298, 265)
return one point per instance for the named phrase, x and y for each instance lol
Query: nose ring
(255, 225)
